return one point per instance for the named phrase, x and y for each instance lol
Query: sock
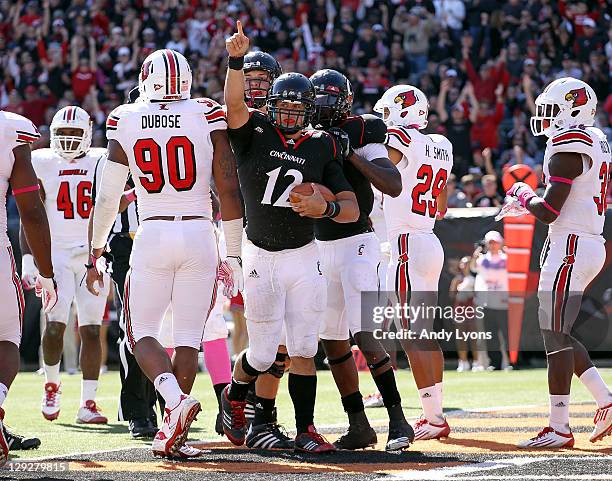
(168, 387)
(52, 373)
(303, 392)
(217, 359)
(3, 393)
(387, 388)
(429, 401)
(440, 397)
(559, 412)
(353, 403)
(88, 390)
(264, 410)
(597, 387)
(218, 390)
(238, 390)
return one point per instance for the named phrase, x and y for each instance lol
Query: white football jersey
(69, 193)
(170, 153)
(425, 166)
(584, 211)
(15, 130)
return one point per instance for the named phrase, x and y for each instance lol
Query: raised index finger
(239, 27)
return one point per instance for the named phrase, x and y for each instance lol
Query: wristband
(92, 262)
(130, 195)
(23, 190)
(235, 63)
(441, 213)
(332, 210)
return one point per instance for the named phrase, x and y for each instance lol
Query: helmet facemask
(290, 115)
(331, 106)
(544, 121)
(257, 85)
(70, 142)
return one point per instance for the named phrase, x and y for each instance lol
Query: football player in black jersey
(260, 70)
(283, 284)
(350, 255)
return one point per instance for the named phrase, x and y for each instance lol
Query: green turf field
(63, 436)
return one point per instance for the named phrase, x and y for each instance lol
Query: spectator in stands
(489, 196)
(484, 130)
(455, 197)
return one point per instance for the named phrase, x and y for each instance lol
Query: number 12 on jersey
(430, 183)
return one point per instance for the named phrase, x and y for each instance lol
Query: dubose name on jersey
(425, 166)
(584, 210)
(68, 188)
(170, 153)
(15, 130)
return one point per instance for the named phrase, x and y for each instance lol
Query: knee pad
(555, 342)
(277, 369)
(254, 367)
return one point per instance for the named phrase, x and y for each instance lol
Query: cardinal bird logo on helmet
(578, 97)
(407, 99)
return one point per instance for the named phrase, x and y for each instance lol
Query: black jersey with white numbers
(269, 166)
(362, 130)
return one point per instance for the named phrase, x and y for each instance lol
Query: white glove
(46, 289)
(230, 273)
(512, 208)
(29, 272)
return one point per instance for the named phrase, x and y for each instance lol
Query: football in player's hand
(306, 189)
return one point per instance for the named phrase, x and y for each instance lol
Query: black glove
(343, 143)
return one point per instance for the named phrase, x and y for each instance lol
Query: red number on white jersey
(83, 200)
(430, 182)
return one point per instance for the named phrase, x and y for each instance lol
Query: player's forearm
(23, 242)
(107, 205)
(542, 210)
(380, 172)
(349, 208)
(37, 237)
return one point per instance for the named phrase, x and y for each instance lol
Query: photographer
(491, 292)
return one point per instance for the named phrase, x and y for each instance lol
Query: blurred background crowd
(481, 62)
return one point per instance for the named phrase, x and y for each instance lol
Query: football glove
(230, 273)
(521, 192)
(343, 143)
(46, 289)
(29, 272)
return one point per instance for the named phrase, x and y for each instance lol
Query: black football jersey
(269, 166)
(362, 130)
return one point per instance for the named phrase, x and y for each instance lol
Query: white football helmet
(71, 146)
(404, 105)
(564, 103)
(165, 75)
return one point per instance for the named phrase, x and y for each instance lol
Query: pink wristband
(24, 190)
(550, 207)
(130, 195)
(562, 180)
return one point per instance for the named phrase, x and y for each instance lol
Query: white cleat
(51, 401)
(4, 447)
(425, 430)
(548, 438)
(373, 400)
(187, 452)
(603, 424)
(175, 428)
(89, 414)
(464, 366)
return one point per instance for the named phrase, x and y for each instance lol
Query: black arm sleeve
(375, 130)
(242, 137)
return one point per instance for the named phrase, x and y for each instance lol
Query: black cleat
(234, 423)
(16, 442)
(268, 436)
(401, 435)
(358, 436)
(219, 424)
(142, 428)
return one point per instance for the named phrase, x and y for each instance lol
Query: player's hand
(313, 205)
(95, 272)
(230, 274)
(29, 272)
(521, 192)
(46, 289)
(343, 143)
(238, 44)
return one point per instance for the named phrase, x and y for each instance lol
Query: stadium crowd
(480, 62)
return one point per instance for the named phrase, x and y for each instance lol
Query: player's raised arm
(237, 47)
(114, 177)
(564, 167)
